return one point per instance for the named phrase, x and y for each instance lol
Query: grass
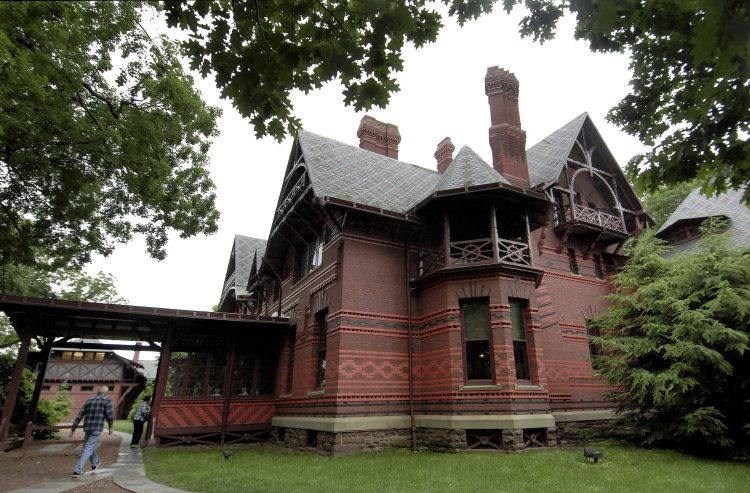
(625, 468)
(123, 425)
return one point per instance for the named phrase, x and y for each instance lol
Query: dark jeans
(137, 431)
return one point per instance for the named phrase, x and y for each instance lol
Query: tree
(675, 341)
(663, 201)
(690, 83)
(102, 134)
(690, 63)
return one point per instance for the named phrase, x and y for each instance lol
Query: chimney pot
(377, 136)
(444, 154)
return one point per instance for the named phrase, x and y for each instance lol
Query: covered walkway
(209, 383)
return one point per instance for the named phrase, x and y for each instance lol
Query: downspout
(409, 347)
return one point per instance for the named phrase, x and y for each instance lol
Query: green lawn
(625, 468)
(124, 425)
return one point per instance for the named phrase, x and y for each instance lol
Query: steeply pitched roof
(244, 248)
(466, 170)
(548, 156)
(696, 206)
(349, 173)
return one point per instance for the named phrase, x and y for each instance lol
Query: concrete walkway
(128, 473)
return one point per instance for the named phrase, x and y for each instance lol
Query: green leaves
(103, 134)
(677, 339)
(259, 52)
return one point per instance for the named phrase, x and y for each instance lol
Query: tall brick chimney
(379, 137)
(137, 352)
(444, 154)
(507, 140)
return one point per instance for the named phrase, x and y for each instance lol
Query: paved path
(127, 473)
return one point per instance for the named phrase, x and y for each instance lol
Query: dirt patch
(45, 460)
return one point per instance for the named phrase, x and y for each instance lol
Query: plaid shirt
(141, 412)
(96, 410)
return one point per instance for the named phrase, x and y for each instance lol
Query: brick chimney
(444, 154)
(507, 140)
(137, 352)
(379, 137)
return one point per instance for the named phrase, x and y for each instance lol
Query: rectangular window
(599, 267)
(520, 351)
(475, 317)
(309, 257)
(322, 324)
(572, 260)
(67, 355)
(87, 388)
(99, 356)
(88, 356)
(290, 366)
(593, 331)
(46, 387)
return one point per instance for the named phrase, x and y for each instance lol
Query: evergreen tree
(675, 341)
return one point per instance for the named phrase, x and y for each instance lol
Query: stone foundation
(439, 440)
(343, 443)
(432, 438)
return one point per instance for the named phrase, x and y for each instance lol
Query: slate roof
(548, 156)
(696, 206)
(245, 247)
(349, 173)
(466, 170)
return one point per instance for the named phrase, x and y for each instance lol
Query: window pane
(478, 365)
(77, 355)
(516, 319)
(99, 357)
(522, 360)
(475, 315)
(67, 355)
(476, 320)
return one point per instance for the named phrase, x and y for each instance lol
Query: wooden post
(15, 382)
(528, 240)
(228, 382)
(493, 234)
(46, 349)
(160, 386)
(447, 239)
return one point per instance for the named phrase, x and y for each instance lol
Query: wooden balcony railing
(591, 216)
(479, 251)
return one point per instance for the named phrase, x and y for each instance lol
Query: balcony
(588, 218)
(476, 252)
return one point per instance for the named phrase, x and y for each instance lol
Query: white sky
(442, 94)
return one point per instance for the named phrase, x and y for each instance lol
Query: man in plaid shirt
(140, 415)
(95, 411)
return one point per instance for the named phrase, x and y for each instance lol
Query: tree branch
(103, 99)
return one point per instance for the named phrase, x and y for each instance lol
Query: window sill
(528, 387)
(316, 392)
(480, 387)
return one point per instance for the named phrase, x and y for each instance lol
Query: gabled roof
(244, 250)
(349, 173)
(466, 170)
(729, 204)
(547, 157)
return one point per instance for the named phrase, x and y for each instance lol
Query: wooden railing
(590, 216)
(478, 251)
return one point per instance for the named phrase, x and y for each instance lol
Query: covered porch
(216, 376)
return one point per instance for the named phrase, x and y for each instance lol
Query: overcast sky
(442, 95)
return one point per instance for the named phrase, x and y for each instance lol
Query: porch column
(15, 382)
(228, 384)
(493, 234)
(46, 349)
(446, 239)
(160, 386)
(528, 240)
